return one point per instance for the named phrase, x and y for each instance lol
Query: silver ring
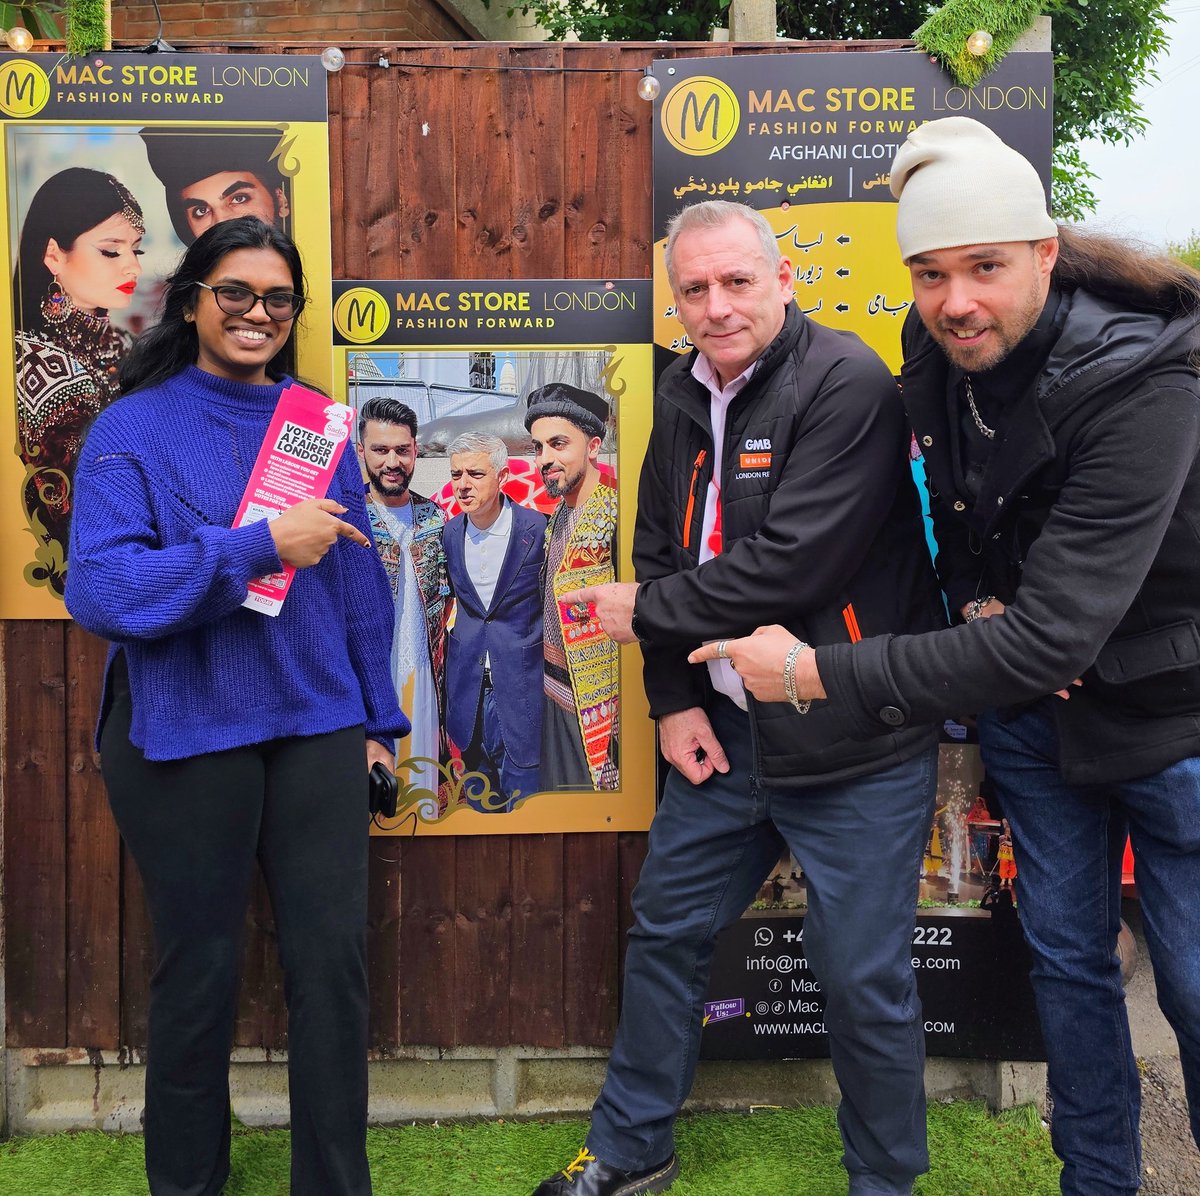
(721, 653)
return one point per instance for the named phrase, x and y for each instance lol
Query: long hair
(64, 206)
(1125, 273)
(171, 345)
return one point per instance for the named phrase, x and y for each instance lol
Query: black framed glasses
(237, 301)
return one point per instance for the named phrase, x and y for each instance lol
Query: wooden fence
(458, 160)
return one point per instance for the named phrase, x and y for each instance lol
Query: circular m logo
(361, 315)
(700, 115)
(24, 88)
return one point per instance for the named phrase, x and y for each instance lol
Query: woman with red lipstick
(79, 258)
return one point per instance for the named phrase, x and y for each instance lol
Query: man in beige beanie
(1050, 378)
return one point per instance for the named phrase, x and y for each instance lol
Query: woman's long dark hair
(1125, 273)
(64, 206)
(171, 345)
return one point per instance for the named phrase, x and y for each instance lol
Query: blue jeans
(1068, 842)
(487, 755)
(860, 844)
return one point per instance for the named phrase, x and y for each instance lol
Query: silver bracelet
(976, 607)
(789, 678)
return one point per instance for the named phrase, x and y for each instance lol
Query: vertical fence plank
(482, 197)
(604, 145)
(354, 140)
(589, 938)
(534, 132)
(631, 855)
(35, 815)
(482, 939)
(384, 169)
(427, 942)
(383, 941)
(536, 990)
(425, 131)
(93, 865)
(337, 170)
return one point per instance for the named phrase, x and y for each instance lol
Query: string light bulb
(332, 59)
(19, 39)
(979, 43)
(648, 87)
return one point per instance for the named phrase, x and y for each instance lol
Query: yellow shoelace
(582, 1159)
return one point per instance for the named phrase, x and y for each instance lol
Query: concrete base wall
(52, 1090)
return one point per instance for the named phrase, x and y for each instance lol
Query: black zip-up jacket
(821, 528)
(1087, 525)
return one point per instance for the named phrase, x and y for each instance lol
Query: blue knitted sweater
(157, 569)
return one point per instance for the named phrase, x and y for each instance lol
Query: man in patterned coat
(580, 729)
(408, 534)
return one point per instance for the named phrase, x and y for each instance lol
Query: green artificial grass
(88, 26)
(795, 1151)
(945, 33)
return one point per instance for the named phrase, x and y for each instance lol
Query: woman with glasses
(79, 259)
(228, 736)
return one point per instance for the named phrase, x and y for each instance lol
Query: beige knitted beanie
(959, 184)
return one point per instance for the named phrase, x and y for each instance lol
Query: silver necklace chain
(989, 433)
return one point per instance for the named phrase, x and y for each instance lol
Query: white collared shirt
(484, 551)
(720, 672)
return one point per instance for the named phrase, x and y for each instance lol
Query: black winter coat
(1090, 509)
(822, 532)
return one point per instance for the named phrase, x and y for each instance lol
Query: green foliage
(87, 26)
(1187, 251)
(669, 20)
(1102, 50)
(41, 19)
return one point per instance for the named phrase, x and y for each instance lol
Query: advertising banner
(808, 139)
(113, 164)
(526, 718)
(972, 974)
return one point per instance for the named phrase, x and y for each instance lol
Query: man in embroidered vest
(776, 479)
(408, 534)
(579, 734)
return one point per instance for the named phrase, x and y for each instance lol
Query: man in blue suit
(495, 551)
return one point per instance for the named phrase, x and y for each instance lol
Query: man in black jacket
(776, 485)
(1051, 380)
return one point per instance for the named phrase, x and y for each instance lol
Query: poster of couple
(110, 170)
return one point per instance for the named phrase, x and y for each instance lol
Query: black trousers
(195, 828)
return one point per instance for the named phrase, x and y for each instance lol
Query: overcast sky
(1151, 189)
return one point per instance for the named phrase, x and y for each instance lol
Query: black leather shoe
(588, 1176)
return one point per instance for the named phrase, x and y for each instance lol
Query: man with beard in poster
(580, 729)
(408, 535)
(1050, 375)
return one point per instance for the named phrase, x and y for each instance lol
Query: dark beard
(389, 489)
(568, 485)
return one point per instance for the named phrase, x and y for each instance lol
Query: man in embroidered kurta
(580, 730)
(408, 535)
